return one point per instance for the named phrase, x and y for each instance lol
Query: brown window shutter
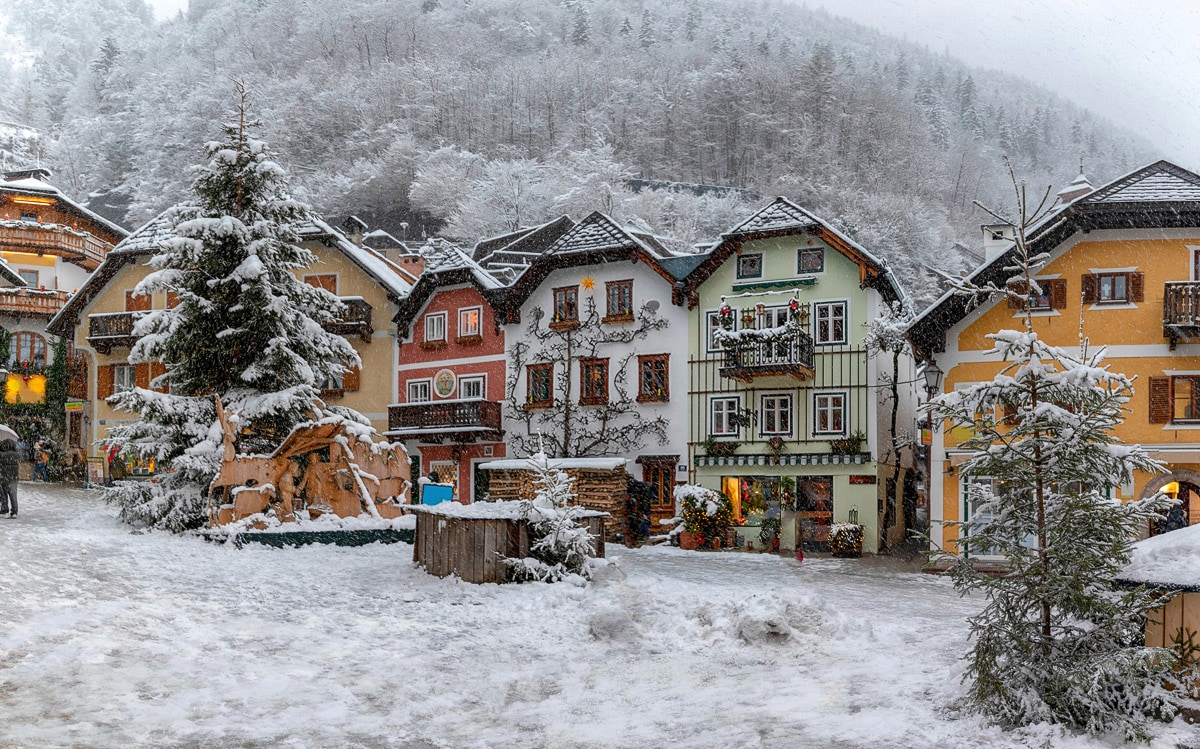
(1058, 293)
(1088, 288)
(1160, 400)
(1137, 287)
(139, 303)
(157, 369)
(1008, 415)
(1018, 287)
(104, 381)
(172, 300)
(141, 376)
(350, 379)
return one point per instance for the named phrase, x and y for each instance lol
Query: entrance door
(814, 500)
(661, 478)
(447, 473)
(1186, 513)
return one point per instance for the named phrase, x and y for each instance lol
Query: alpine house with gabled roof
(786, 404)
(1123, 271)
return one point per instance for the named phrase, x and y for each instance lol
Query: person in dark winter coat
(10, 460)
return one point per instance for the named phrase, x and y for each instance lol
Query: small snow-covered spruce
(244, 328)
(1057, 641)
(561, 547)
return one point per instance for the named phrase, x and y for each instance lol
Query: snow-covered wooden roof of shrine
(1169, 560)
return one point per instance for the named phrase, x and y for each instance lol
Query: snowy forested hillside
(550, 104)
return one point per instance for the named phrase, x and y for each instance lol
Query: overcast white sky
(1135, 62)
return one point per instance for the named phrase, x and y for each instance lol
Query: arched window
(27, 350)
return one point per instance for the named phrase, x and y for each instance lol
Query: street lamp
(933, 379)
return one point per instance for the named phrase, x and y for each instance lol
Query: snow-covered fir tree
(559, 544)
(1057, 641)
(245, 328)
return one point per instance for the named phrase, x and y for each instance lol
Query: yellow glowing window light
(25, 389)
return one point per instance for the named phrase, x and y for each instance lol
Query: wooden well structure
(600, 484)
(471, 540)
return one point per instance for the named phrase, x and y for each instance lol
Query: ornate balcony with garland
(765, 351)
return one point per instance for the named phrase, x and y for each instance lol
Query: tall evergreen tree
(245, 328)
(1056, 641)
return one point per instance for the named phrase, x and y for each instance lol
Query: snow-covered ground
(115, 639)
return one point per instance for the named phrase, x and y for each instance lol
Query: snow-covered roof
(780, 214)
(41, 187)
(502, 510)
(386, 240)
(1159, 182)
(10, 275)
(596, 464)
(385, 273)
(516, 250)
(148, 237)
(447, 256)
(598, 232)
(1169, 560)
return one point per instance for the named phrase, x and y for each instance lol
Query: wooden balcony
(112, 330)
(76, 247)
(1181, 311)
(459, 421)
(356, 320)
(790, 358)
(21, 302)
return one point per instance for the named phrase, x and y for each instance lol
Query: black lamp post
(933, 379)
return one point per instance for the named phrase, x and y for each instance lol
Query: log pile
(596, 489)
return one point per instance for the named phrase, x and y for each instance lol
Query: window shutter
(141, 376)
(1088, 288)
(350, 378)
(104, 381)
(1160, 400)
(157, 369)
(1137, 287)
(1018, 287)
(1058, 293)
(1008, 415)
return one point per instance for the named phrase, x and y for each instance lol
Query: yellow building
(99, 321)
(1123, 269)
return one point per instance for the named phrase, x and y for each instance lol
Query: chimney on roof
(1079, 187)
(996, 239)
(354, 228)
(37, 172)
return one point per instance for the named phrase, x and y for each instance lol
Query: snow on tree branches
(561, 547)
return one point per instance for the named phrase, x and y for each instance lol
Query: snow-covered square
(113, 638)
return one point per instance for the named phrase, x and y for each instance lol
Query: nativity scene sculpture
(331, 465)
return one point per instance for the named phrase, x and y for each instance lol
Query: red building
(451, 373)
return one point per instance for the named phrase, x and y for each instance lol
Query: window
(471, 386)
(593, 382)
(775, 414)
(712, 325)
(809, 260)
(30, 277)
(334, 382)
(1113, 287)
(723, 418)
(829, 413)
(137, 302)
(750, 265)
(829, 323)
(620, 300)
(540, 384)
(124, 377)
(469, 321)
(1051, 295)
(419, 391)
(327, 281)
(1185, 398)
(653, 383)
(566, 305)
(29, 218)
(435, 327)
(27, 350)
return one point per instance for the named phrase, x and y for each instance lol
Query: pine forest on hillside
(468, 117)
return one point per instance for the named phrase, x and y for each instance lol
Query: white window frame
(335, 382)
(462, 332)
(118, 385)
(424, 382)
(736, 401)
(790, 410)
(471, 379)
(439, 318)
(817, 408)
(712, 323)
(817, 307)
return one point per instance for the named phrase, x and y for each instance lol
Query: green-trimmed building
(793, 419)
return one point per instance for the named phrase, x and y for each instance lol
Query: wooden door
(661, 478)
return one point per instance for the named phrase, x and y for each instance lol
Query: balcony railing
(111, 330)
(73, 246)
(356, 320)
(20, 302)
(464, 419)
(791, 357)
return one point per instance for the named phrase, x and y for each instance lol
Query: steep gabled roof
(515, 251)
(396, 282)
(595, 239)
(32, 185)
(9, 274)
(781, 218)
(1161, 195)
(452, 266)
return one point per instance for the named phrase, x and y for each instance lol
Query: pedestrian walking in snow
(10, 460)
(41, 462)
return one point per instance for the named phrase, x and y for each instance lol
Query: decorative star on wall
(588, 283)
